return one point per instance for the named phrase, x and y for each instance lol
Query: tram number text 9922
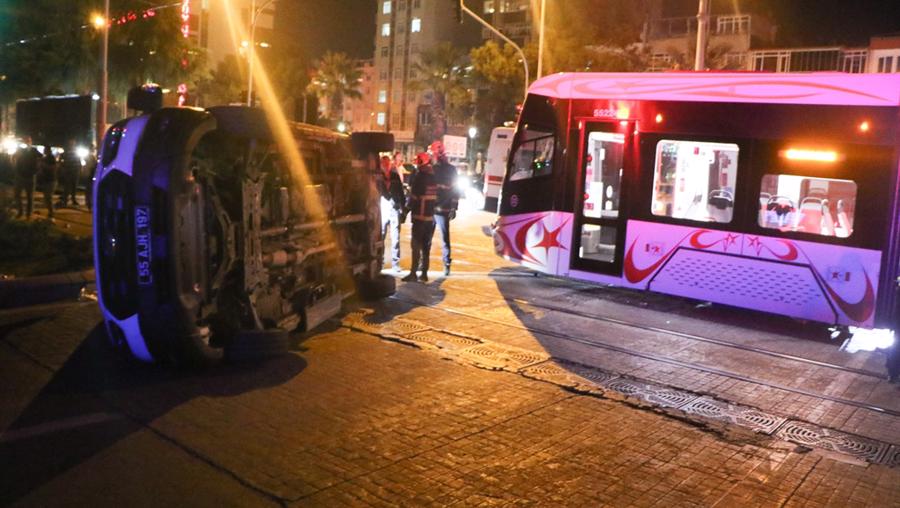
(143, 248)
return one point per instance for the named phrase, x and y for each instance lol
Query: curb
(43, 289)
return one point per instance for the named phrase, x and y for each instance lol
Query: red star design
(550, 239)
(730, 240)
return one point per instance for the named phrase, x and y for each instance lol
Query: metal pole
(702, 35)
(540, 63)
(506, 39)
(104, 76)
(250, 52)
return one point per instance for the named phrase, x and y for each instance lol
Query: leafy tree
(574, 31)
(336, 77)
(62, 51)
(441, 70)
(224, 84)
(500, 80)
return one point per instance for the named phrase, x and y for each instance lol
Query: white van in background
(495, 166)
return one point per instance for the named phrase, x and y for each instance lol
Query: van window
(804, 204)
(695, 180)
(534, 155)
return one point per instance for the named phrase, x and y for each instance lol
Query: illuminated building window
(416, 25)
(489, 7)
(380, 119)
(386, 30)
(386, 7)
(382, 96)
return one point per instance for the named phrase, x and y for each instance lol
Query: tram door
(600, 227)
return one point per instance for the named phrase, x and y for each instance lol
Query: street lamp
(101, 22)
(254, 17)
(473, 131)
(540, 62)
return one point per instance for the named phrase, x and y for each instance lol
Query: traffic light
(459, 10)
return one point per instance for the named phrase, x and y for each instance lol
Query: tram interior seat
(843, 228)
(780, 212)
(763, 201)
(810, 215)
(720, 205)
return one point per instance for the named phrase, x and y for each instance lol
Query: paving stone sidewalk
(350, 419)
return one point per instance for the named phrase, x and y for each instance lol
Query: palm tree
(337, 77)
(441, 69)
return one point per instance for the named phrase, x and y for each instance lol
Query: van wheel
(378, 287)
(255, 345)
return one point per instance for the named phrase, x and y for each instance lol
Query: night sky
(349, 26)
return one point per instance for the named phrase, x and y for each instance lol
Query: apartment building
(403, 30)
(514, 18)
(671, 42)
(358, 113)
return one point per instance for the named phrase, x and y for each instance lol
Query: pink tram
(773, 192)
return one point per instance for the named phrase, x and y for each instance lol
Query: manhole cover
(820, 437)
(647, 392)
(495, 356)
(749, 417)
(383, 325)
(892, 458)
(443, 340)
(567, 374)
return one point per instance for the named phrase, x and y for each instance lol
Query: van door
(599, 233)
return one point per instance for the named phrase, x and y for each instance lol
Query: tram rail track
(690, 336)
(663, 359)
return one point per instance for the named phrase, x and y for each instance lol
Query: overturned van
(210, 241)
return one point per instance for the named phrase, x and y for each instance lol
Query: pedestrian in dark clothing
(420, 202)
(393, 203)
(26, 165)
(47, 178)
(69, 170)
(447, 199)
(90, 169)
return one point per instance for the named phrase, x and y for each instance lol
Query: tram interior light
(865, 126)
(798, 154)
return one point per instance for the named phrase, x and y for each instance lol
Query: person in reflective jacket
(447, 198)
(393, 203)
(420, 202)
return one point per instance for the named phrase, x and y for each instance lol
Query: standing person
(47, 176)
(392, 203)
(69, 169)
(447, 198)
(26, 165)
(420, 202)
(90, 169)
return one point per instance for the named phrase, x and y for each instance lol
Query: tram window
(598, 243)
(603, 174)
(695, 180)
(534, 155)
(821, 206)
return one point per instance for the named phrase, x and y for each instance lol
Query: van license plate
(143, 247)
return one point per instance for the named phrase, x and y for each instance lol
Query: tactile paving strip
(495, 356)
(567, 374)
(654, 394)
(819, 437)
(443, 340)
(752, 418)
